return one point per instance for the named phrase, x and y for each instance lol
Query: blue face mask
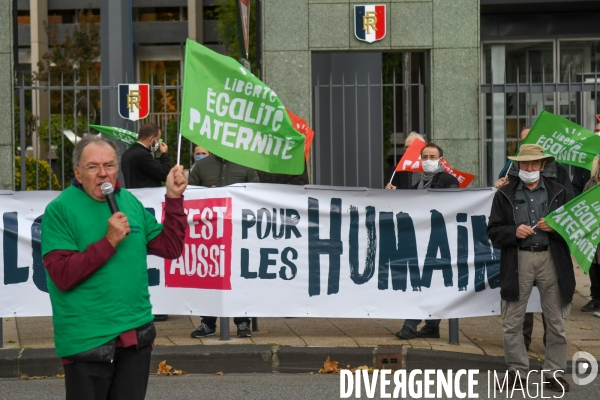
(199, 157)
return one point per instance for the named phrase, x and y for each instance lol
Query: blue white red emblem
(134, 101)
(369, 22)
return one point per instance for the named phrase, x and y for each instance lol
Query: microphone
(107, 191)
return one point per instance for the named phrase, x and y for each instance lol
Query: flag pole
(392, 178)
(179, 149)
(508, 170)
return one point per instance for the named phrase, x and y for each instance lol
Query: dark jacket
(441, 180)
(215, 171)
(502, 231)
(267, 177)
(141, 169)
(580, 177)
(554, 171)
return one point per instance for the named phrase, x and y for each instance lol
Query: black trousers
(126, 378)
(595, 281)
(528, 328)
(212, 321)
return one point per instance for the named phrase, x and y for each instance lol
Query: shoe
(203, 331)
(244, 330)
(406, 333)
(558, 384)
(161, 318)
(597, 313)
(431, 332)
(592, 305)
(510, 380)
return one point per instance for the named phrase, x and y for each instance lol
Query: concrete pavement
(480, 339)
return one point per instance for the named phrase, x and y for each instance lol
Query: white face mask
(154, 147)
(430, 166)
(529, 177)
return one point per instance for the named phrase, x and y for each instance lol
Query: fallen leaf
(587, 328)
(164, 369)
(25, 377)
(220, 373)
(11, 341)
(329, 367)
(38, 377)
(60, 376)
(478, 339)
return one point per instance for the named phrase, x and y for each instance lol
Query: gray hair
(413, 133)
(87, 140)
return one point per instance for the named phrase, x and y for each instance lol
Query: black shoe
(161, 318)
(406, 333)
(244, 330)
(203, 331)
(510, 381)
(592, 305)
(430, 332)
(558, 384)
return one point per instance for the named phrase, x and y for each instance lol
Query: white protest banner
(266, 250)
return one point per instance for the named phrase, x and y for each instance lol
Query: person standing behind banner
(406, 179)
(594, 271)
(532, 253)
(140, 168)
(214, 171)
(198, 154)
(581, 177)
(97, 274)
(433, 177)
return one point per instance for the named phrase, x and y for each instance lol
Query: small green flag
(121, 134)
(578, 222)
(568, 142)
(231, 113)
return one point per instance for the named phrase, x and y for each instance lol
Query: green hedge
(43, 169)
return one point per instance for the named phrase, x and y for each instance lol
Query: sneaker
(203, 331)
(558, 384)
(430, 332)
(511, 378)
(406, 333)
(592, 305)
(597, 313)
(244, 330)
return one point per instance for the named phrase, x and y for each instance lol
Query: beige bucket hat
(531, 152)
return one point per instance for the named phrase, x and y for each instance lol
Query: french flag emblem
(134, 101)
(369, 22)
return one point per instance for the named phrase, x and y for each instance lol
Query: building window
(154, 14)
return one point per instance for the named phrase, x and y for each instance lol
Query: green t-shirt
(115, 298)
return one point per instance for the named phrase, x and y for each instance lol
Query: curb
(263, 358)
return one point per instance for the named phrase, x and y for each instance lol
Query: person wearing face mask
(594, 271)
(532, 253)
(140, 168)
(580, 177)
(405, 179)
(198, 154)
(433, 177)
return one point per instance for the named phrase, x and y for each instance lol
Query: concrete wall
(449, 29)
(7, 149)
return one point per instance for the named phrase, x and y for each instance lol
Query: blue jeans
(414, 323)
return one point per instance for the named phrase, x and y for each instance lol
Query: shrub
(43, 169)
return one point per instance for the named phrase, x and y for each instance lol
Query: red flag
(301, 126)
(411, 162)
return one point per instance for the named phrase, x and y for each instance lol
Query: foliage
(30, 121)
(43, 174)
(172, 141)
(227, 29)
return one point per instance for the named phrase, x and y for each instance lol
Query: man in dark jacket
(433, 177)
(140, 168)
(214, 171)
(532, 252)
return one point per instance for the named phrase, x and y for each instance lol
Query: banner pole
(508, 170)
(392, 178)
(179, 149)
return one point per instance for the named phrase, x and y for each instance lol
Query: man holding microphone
(97, 274)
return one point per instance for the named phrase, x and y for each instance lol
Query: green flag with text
(568, 142)
(121, 134)
(234, 115)
(578, 222)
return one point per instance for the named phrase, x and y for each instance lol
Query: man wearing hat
(531, 252)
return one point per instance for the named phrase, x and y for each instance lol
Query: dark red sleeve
(169, 243)
(68, 268)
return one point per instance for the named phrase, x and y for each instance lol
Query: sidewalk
(480, 337)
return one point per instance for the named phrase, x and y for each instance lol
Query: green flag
(231, 113)
(121, 134)
(568, 142)
(578, 222)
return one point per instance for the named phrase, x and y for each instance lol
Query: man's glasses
(95, 168)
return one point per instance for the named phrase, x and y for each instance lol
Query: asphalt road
(256, 386)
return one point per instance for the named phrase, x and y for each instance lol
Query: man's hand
(162, 147)
(524, 231)
(176, 182)
(544, 226)
(501, 182)
(390, 186)
(118, 228)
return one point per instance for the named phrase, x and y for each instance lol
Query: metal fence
(58, 111)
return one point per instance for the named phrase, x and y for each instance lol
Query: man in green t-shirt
(98, 277)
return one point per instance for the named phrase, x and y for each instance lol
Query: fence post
(1, 333)
(453, 329)
(224, 326)
(254, 324)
